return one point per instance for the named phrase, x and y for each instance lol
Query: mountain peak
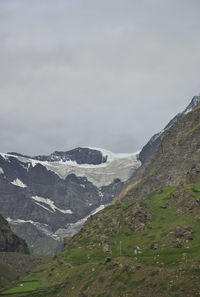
(151, 147)
(192, 105)
(79, 155)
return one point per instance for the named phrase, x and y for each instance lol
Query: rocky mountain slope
(152, 145)
(46, 198)
(147, 244)
(176, 160)
(9, 242)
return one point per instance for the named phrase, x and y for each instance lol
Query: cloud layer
(99, 73)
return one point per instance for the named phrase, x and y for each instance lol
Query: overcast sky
(105, 73)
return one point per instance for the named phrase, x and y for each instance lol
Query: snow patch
(19, 221)
(51, 204)
(188, 110)
(44, 228)
(100, 193)
(1, 171)
(17, 182)
(98, 209)
(5, 156)
(44, 207)
(34, 162)
(113, 156)
(73, 228)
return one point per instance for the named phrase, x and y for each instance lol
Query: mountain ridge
(152, 145)
(47, 200)
(165, 167)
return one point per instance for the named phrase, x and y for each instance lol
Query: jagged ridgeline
(176, 160)
(148, 242)
(152, 145)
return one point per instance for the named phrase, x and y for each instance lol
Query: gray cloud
(99, 73)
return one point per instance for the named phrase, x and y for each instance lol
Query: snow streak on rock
(50, 204)
(44, 228)
(17, 182)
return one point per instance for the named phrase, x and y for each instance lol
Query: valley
(144, 243)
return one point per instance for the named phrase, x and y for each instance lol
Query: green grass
(29, 284)
(122, 240)
(194, 189)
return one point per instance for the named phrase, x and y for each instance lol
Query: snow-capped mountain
(45, 198)
(80, 155)
(112, 166)
(151, 147)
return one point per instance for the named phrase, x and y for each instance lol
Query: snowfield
(117, 166)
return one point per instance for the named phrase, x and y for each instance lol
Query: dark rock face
(193, 175)
(138, 216)
(38, 203)
(79, 155)
(185, 201)
(9, 242)
(151, 147)
(39, 242)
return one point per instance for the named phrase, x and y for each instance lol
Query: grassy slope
(85, 269)
(13, 265)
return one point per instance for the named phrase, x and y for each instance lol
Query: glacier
(118, 166)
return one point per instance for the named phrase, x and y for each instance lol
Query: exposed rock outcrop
(180, 236)
(9, 242)
(138, 216)
(185, 201)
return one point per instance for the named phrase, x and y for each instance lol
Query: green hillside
(149, 247)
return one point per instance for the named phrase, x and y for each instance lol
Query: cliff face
(176, 160)
(149, 150)
(9, 242)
